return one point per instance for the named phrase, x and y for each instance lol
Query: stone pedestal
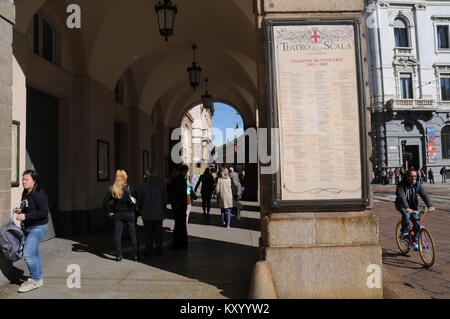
(322, 255)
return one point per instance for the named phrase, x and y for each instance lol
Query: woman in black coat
(123, 211)
(34, 215)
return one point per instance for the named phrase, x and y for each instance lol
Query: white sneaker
(30, 284)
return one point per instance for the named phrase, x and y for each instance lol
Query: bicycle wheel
(426, 248)
(402, 243)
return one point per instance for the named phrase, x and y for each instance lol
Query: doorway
(42, 145)
(411, 157)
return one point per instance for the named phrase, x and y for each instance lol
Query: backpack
(12, 240)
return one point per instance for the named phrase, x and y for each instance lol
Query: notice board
(317, 98)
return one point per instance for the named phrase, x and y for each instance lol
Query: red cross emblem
(315, 36)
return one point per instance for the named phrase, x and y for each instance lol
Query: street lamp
(207, 98)
(166, 17)
(194, 71)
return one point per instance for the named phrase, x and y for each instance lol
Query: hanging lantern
(194, 71)
(207, 98)
(166, 17)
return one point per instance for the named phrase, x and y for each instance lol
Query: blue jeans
(33, 237)
(222, 215)
(405, 223)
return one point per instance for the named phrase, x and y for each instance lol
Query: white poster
(317, 97)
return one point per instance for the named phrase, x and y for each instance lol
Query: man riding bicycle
(407, 204)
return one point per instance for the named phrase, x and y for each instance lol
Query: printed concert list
(317, 95)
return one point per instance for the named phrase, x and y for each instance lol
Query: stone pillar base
(323, 255)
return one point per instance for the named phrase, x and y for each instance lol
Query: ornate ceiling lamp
(207, 98)
(194, 71)
(166, 17)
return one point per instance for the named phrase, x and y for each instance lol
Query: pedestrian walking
(152, 198)
(384, 180)
(423, 175)
(419, 177)
(397, 175)
(34, 216)
(402, 174)
(123, 198)
(177, 189)
(224, 193)
(207, 189)
(188, 194)
(243, 181)
(236, 192)
(390, 174)
(443, 173)
(431, 176)
(378, 175)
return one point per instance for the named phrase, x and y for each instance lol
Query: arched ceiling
(122, 36)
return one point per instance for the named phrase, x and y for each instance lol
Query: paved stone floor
(218, 264)
(219, 261)
(435, 281)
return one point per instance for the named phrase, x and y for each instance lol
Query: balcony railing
(412, 104)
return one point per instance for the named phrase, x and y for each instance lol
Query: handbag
(131, 199)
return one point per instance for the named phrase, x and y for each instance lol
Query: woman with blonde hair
(123, 210)
(225, 196)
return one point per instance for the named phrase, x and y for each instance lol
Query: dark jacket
(119, 205)
(243, 180)
(178, 193)
(36, 213)
(152, 198)
(207, 181)
(407, 195)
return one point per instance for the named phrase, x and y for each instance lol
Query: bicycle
(427, 249)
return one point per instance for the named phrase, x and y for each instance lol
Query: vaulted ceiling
(118, 37)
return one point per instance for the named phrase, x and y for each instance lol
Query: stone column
(7, 20)
(310, 254)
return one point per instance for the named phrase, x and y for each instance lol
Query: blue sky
(225, 117)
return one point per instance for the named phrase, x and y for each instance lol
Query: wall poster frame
(317, 97)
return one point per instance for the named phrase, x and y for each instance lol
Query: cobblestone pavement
(434, 282)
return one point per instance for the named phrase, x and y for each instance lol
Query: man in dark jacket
(152, 198)
(407, 203)
(178, 200)
(431, 176)
(207, 181)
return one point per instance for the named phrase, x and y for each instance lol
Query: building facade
(409, 73)
(196, 138)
